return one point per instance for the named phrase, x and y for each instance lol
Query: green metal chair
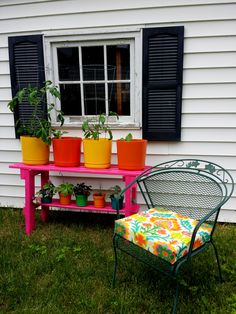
(183, 199)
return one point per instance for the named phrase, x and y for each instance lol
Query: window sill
(114, 125)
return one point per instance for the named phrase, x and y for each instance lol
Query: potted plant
(36, 131)
(131, 153)
(81, 192)
(65, 191)
(115, 197)
(97, 149)
(66, 149)
(46, 192)
(99, 198)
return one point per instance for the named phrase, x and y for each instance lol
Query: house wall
(209, 91)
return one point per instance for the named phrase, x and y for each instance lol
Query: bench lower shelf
(88, 208)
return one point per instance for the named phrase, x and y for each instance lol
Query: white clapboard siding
(4, 80)
(151, 15)
(193, 148)
(3, 54)
(214, 120)
(211, 28)
(7, 119)
(13, 201)
(81, 6)
(208, 135)
(11, 157)
(5, 93)
(3, 107)
(4, 66)
(13, 145)
(6, 132)
(228, 163)
(72, 6)
(204, 76)
(209, 44)
(214, 105)
(208, 60)
(209, 92)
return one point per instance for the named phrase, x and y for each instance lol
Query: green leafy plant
(48, 190)
(114, 191)
(128, 138)
(98, 125)
(39, 124)
(65, 188)
(82, 189)
(116, 197)
(58, 133)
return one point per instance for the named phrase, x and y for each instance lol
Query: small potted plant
(131, 153)
(36, 131)
(46, 192)
(99, 198)
(81, 192)
(97, 149)
(65, 191)
(115, 197)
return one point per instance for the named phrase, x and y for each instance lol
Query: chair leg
(115, 263)
(176, 298)
(218, 261)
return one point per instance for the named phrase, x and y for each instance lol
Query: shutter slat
(162, 82)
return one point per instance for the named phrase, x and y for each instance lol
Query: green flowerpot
(81, 200)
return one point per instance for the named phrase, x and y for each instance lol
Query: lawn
(66, 266)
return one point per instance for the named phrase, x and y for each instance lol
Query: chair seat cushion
(162, 232)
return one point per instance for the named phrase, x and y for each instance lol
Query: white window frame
(100, 37)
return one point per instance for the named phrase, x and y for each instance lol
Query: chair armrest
(202, 221)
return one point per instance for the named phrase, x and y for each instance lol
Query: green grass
(66, 266)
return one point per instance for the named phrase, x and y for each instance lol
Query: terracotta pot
(65, 199)
(34, 151)
(99, 200)
(131, 154)
(97, 153)
(67, 151)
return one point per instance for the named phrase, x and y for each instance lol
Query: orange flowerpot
(99, 200)
(65, 199)
(34, 151)
(67, 151)
(131, 154)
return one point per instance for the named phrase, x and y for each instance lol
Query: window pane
(119, 98)
(70, 99)
(94, 99)
(119, 57)
(93, 63)
(68, 64)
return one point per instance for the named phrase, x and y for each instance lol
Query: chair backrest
(191, 187)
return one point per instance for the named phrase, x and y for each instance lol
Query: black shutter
(26, 68)
(162, 82)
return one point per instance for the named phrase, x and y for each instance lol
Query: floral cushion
(162, 232)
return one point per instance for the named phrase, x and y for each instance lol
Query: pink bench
(28, 173)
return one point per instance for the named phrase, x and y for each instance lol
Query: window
(124, 72)
(95, 78)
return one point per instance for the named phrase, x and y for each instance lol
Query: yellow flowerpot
(34, 151)
(97, 153)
